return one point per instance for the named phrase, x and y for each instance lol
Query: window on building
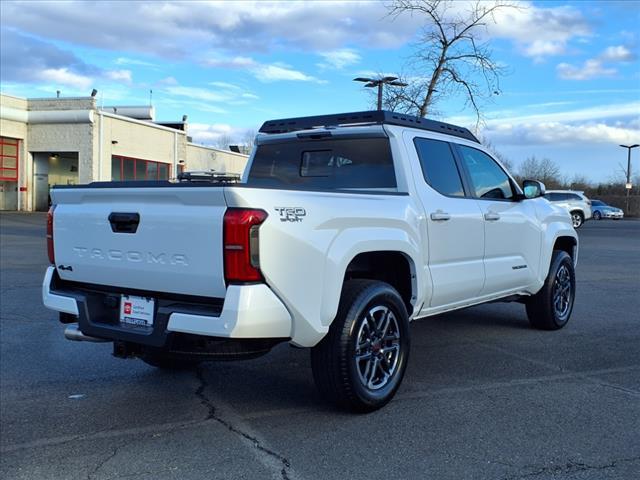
(163, 170)
(152, 170)
(8, 159)
(116, 168)
(141, 170)
(439, 166)
(126, 169)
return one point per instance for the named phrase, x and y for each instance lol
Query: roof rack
(208, 176)
(380, 117)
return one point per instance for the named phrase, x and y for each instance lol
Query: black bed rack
(377, 117)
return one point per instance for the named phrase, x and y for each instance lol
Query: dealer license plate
(137, 311)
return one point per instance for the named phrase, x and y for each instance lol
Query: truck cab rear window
(326, 164)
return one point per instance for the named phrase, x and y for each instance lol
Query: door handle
(440, 216)
(124, 222)
(491, 216)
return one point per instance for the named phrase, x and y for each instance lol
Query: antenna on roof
(150, 97)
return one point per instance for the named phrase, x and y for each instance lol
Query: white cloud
(119, 75)
(65, 77)
(274, 73)
(208, 134)
(134, 61)
(596, 113)
(263, 72)
(616, 123)
(186, 104)
(235, 91)
(592, 68)
(225, 85)
(197, 93)
(540, 32)
(235, 62)
(206, 99)
(169, 81)
(618, 53)
(173, 29)
(595, 67)
(556, 133)
(339, 58)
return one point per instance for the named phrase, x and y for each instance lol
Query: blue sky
(572, 92)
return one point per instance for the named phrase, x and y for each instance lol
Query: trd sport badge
(291, 214)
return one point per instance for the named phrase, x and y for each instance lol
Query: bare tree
(544, 170)
(248, 140)
(223, 141)
(579, 182)
(450, 57)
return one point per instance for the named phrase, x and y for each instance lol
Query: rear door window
(439, 166)
(361, 163)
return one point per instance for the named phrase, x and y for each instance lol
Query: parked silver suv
(578, 205)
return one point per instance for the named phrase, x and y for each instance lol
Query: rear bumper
(247, 312)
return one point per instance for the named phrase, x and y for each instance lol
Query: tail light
(241, 250)
(50, 252)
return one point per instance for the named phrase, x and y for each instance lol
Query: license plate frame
(137, 311)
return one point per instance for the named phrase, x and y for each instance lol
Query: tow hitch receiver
(126, 350)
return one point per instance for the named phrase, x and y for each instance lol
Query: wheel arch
(392, 267)
(567, 244)
(561, 238)
(368, 259)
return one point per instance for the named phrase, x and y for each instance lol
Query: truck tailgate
(176, 246)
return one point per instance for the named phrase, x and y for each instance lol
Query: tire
(350, 365)
(551, 307)
(597, 215)
(577, 218)
(165, 361)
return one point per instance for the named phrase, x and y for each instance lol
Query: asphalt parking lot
(484, 396)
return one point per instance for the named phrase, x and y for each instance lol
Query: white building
(49, 141)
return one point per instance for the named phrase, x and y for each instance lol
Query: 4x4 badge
(291, 214)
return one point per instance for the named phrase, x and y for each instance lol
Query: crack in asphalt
(570, 467)
(92, 473)
(586, 376)
(257, 444)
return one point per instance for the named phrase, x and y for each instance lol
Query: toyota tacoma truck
(342, 230)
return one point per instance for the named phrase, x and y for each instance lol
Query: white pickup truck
(343, 229)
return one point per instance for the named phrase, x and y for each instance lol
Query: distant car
(602, 210)
(578, 205)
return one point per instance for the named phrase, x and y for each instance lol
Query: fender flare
(353, 242)
(555, 231)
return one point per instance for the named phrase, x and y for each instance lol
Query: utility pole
(628, 184)
(380, 82)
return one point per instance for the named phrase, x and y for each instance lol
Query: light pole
(628, 185)
(379, 82)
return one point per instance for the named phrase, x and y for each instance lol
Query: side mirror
(533, 189)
